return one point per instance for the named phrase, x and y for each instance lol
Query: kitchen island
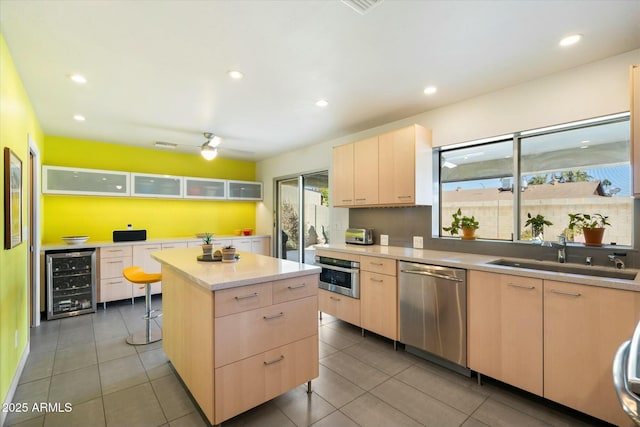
(238, 334)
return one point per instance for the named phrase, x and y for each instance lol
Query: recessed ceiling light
(430, 90)
(236, 75)
(78, 78)
(322, 103)
(570, 40)
(79, 118)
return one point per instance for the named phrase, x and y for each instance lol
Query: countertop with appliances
(483, 263)
(248, 270)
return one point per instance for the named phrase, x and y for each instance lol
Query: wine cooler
(71, 282)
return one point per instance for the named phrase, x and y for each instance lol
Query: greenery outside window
(577, 167)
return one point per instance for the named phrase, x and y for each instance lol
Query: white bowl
(75, 240)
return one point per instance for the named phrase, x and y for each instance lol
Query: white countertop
(480, 262)
(248, 270)
(104, 243)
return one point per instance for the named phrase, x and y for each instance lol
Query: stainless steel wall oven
(339, 275)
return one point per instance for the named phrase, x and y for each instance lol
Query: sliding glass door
(302, 217)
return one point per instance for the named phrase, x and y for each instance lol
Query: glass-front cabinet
(244, 190)
(63, 180)
(147, 185)
(202, 188)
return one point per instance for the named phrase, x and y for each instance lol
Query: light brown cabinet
(635, 127)
(583, 328)
(505, 328)
(340, 306)
(379, 296)
(393, 169)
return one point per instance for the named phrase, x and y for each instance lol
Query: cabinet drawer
(114, 289)
(378, 265)
(340, 306)
(247, 383)
(264, 329)
(112, 267)
(116, 251)
(379, 304)
(295, 288)
(236, 300)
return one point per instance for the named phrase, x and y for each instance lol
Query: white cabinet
(113, 285)
(206, 189)
(63, 180)
(147, 185)
(244, 190)
(142, 258)
(256, 245)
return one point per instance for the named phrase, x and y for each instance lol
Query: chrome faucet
(561, 244)
(617, 261)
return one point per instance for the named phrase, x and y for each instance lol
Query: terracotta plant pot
(468, 233)
(593, 236)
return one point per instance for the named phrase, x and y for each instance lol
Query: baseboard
(14, 382)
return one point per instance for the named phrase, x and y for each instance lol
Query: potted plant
(207, 246)
(537, 224)
(228, 254)
(591, 226)
(468, 225)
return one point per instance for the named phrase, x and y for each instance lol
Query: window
(578, 167)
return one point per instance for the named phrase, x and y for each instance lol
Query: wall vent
(362, 6)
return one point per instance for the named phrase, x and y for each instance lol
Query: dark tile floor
(85, 362)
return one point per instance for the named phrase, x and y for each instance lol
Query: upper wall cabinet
(146, 185)
(635, 128)
(201, 188)
(244, 190)
(393, 169)
(62, 180)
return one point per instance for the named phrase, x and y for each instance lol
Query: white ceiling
(157, 69)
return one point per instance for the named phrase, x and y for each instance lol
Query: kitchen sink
(584, 270)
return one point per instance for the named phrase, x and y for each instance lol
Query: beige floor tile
(87, 414)
(25, 396)
(194, 419)
(76, 386)
(135, 406)
(497, 414)
(174, 400)
(38, 366)
(380, 354)
(368, 410)
(156, 363)
(119, 374)
(354, 370)
(265, 415)
(335, 388)
(75, 357)
(335, 338)
(336, 419)
(302, 408)
(113, 349)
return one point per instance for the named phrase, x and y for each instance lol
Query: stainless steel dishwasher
(433, 311)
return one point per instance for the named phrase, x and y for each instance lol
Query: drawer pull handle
(334, 298)
(115, 282)
(114, 262)
(279, 359)
(515, 285)
(238, 298)
(346, 200)
(379, 264)
(404, 197)
(376, 280)
(361, 198)
(569, 294)
(273, 316)
(302, 285)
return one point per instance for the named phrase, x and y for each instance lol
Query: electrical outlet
(384, 239)
(418, 243)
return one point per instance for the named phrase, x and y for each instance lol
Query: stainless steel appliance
(626, 376)
(359, 236)
(71, 282)
(339, 275)
(433, 311)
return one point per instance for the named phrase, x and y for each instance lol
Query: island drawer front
(295, 288)
(249, 382)
(243, 298)
(116, 251)
(252, 332)
(111, 268)
(378, 265)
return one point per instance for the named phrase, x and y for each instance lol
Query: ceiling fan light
(208, 152)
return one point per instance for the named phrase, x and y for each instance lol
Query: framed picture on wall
(12, 199)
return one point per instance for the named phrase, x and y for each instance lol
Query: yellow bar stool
(136, 275)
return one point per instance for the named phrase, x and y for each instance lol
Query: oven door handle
(333, 267)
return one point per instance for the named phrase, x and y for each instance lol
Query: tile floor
(85, 361)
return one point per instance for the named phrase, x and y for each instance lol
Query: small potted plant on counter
(537, 224)
(207, 246)
(228, 254)
(591, 225)
(468, 225)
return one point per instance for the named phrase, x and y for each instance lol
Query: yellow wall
(97, 217)
(17, 120)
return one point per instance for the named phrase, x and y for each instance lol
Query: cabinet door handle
(302, 285)
(273, 316)
(361, 198)
(346, 200)
(404, 197)
(515, 285)
(271, 362)
(238, 298)
(334, 298)
(115, 282)
(379, 264)
(114, 262)
(569, 294)
(376, 280)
